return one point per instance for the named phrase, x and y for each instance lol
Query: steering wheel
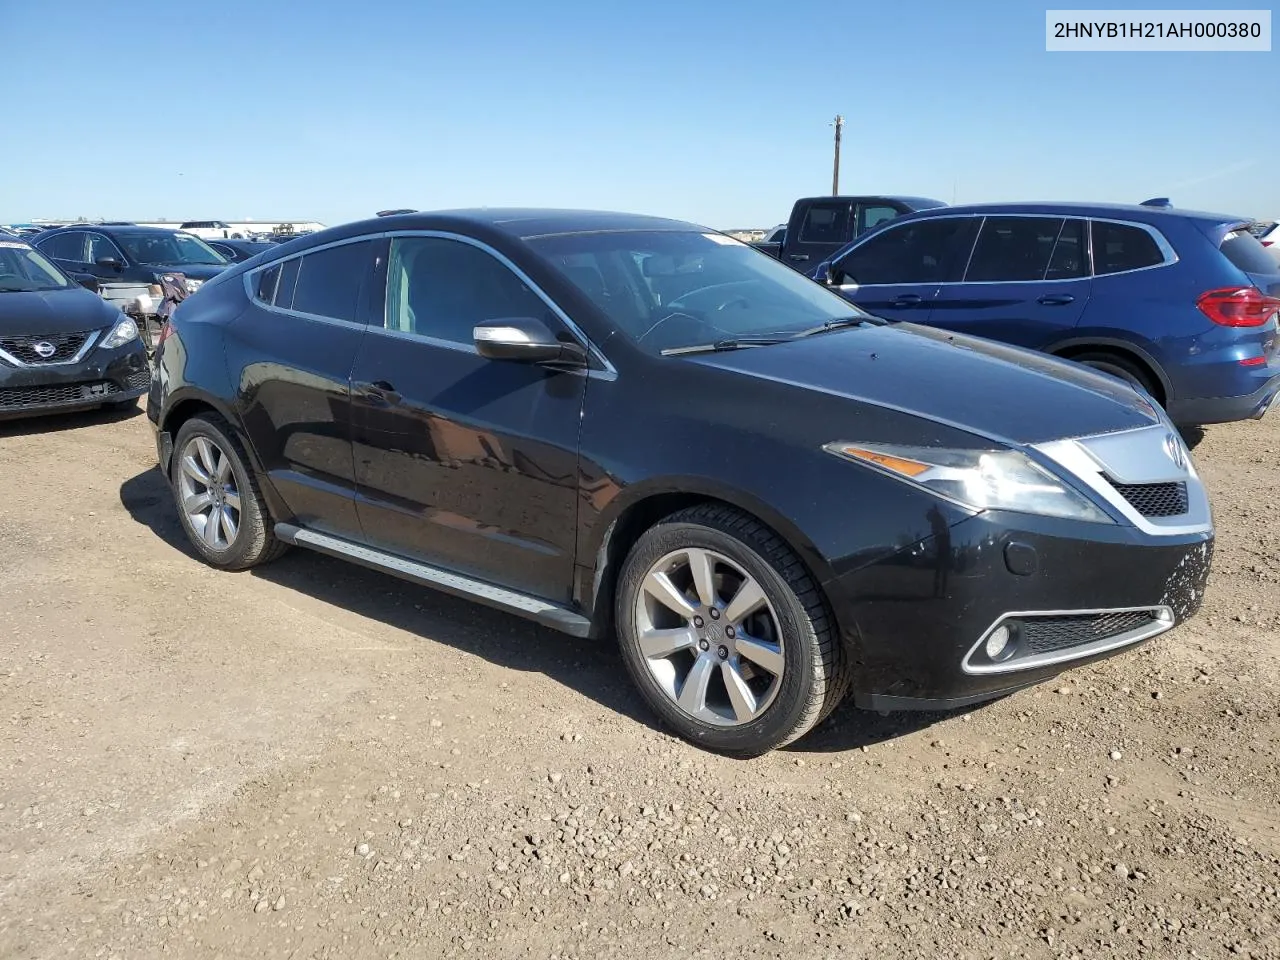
(699, 327)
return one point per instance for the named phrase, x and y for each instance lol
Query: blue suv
(1183, 305)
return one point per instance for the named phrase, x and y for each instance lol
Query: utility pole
(835, 173)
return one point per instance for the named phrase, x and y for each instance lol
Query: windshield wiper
(10, 289)
(721, 345)
(841, 323)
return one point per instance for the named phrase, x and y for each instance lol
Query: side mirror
(833, 276)
(86, 280)
(109, 263)
(526, 340)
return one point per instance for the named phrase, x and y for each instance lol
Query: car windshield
(24, 269)
(672, 289)
(169, 249)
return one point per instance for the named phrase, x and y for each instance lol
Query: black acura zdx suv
(62, 347)
(616, 424)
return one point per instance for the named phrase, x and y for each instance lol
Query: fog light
(1165, 615)
(998, 642)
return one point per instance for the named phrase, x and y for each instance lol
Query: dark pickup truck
(819, 226)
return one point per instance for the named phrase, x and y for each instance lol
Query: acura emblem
(1176, 452)
(44, 348)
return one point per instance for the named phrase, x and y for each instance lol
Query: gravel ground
(313, 761)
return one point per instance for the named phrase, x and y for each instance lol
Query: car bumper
(106, 376)
(1202, 410)
(1070, 593)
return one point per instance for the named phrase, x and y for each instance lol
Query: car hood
(192, 271)
(45, 312)
(1001, 392)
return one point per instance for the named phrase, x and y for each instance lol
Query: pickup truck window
(826, 223)
(872, 215)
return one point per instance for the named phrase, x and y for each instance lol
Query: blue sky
(712, 111)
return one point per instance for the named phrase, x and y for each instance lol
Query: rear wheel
(726, 634)
(219, 504)
(1120, 367)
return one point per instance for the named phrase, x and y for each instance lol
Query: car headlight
(980, 479)
(194, 285)
(124, 331)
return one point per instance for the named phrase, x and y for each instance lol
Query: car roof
(1126, 211)
(129, 230)
(526, 223)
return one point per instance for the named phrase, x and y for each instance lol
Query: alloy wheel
(709, 637)
(208, 492)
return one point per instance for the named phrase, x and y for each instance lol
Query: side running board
(548, 614)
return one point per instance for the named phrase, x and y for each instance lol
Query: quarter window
(1010, 249)
(442, 288)
(826, 223)
(1118, 247)
(915, 252)
(328, 282)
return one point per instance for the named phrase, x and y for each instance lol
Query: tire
(252, 542)
(1120, 367)
(762, 678)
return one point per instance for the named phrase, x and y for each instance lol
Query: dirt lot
(314, 760)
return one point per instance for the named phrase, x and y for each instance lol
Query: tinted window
(1118, 247)
(873, 215)
(918, 252)
(101, 248)
(65, 246)
(1013, 248)
(443, 288)
(1069, 259)
(1247, 253)
(328, 282)
(826, 223)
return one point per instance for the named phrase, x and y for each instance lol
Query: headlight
(193, 285)
(981, 479)
(124, 331)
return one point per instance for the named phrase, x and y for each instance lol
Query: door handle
(797, 256)
(1056, 299)
(380, 391)
(906, 300)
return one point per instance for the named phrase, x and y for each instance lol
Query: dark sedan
(62, 348)
(615, 424)
(125, 253)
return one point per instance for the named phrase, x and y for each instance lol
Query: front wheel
(725, 633)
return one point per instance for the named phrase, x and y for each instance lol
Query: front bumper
(106, 376)
(913, 623)
(1204, 410)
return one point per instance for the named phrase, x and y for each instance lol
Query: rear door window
(826, 222)
(1011, 249)
(1245, 251)
(1070, 254)
(328, 282)
(65, 246)
(1118, 247)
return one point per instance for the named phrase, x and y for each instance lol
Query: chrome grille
(65, 346)
(1155, 499)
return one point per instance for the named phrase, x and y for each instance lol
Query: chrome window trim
(1067, 654)
(1166, 249)
(607, 370)
(80, 354)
